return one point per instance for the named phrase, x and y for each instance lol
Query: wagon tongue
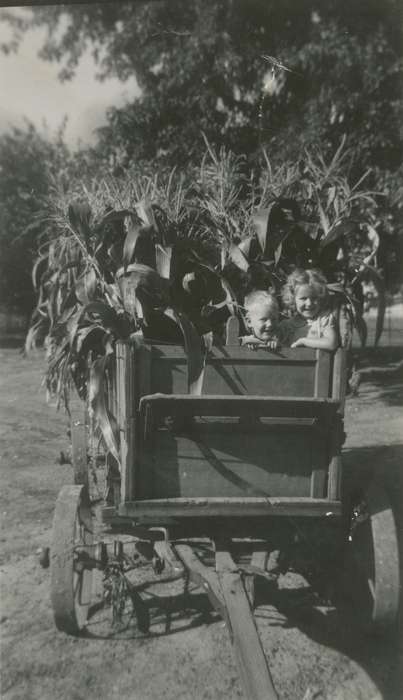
(226, 591)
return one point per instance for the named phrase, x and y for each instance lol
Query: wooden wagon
(257, 452)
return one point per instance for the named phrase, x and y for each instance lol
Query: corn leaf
(36, 274)
(141, 280)
(144, 210)
(277, 253)
(324, 221)
(196, 355)
(163, 256)
(245, 246)
(86, 286)
(362, 329)
(132, 236)
(236, 255)
(343, 227)
(105, 313)
(113, 216)
(79, 213)
(104, 419)
(230, 296)
(261, 219)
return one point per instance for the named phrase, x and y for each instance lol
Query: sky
(29, 87)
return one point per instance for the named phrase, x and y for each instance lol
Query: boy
(262, 316)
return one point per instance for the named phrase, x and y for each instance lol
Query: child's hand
(250, 342)
(253, 343)
(272, 344)
(300, 343)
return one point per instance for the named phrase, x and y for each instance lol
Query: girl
(312, 324)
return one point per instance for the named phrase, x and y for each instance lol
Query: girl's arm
(328, 341)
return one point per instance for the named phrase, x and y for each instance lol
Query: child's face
(307, 301)
(262, 320)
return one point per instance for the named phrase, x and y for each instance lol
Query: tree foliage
(28, 163)
(200, 67)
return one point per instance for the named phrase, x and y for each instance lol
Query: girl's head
(262, 314)
(305, 293)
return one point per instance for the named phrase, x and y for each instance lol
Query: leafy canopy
(28, 163)
(200, 67)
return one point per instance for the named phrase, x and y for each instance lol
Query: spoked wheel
(372, 562)
(71, 582)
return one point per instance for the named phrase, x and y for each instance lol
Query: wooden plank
(320, 462)
(121, 352)
(132, 430)
(228, 376)
(225, 590)
(78, 413)
(318, 483)
(336, 466)
(339, 385)
(335, 473)
(251, 660)
(166, 551)
(143, 475)
(125, 378)
(231, 507)
(234, 352)
(217, 405)
(236, 370)
(143, 375)
(202, 575)
(322, 373)
(258, 560)
(227, 460)
(232, 331)
(339, 379)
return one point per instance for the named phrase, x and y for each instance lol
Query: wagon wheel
(372, 562)
(71, 582)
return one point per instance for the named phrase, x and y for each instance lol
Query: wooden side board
(126, 372)
(233, 370)
(161, 508)
(204, 454)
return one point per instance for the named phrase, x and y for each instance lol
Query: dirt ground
(314, 651)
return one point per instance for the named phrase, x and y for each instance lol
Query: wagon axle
(102, 555)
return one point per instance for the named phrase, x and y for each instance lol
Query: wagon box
(268, 426)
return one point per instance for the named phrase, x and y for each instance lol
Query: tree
(28, 161)
(201, 67)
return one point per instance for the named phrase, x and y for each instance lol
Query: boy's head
(262, 313)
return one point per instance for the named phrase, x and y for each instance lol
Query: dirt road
(313, 651)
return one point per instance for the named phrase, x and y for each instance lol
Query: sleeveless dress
(296, 327)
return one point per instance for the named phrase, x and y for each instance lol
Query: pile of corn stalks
(117, 253)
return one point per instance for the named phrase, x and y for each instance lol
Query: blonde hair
(259, 297)
(313, 278)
